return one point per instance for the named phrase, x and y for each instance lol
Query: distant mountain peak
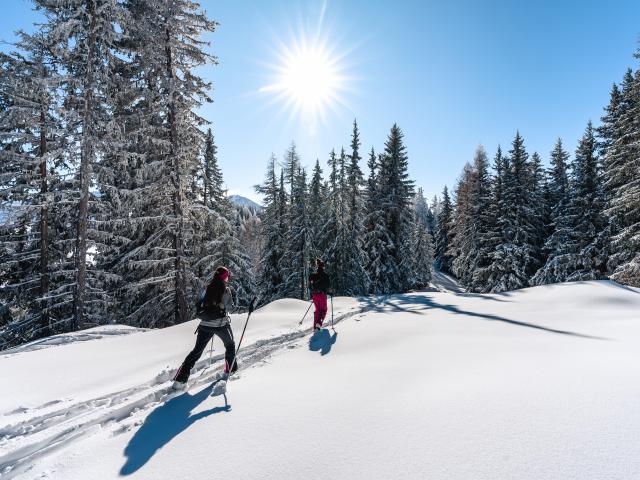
(241, 201)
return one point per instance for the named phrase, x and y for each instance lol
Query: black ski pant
(204, 336)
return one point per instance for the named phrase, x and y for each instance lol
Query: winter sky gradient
(451, 74)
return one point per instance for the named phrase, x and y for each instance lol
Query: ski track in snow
(38, 436)
(65, 338)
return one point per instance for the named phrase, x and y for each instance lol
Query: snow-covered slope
(535, 384)
(241, 201)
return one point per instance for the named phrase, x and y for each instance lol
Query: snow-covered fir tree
(165, 142)
(290, 261)
(540, 219)
(577, 239)
(354, 270)
(35, 267)
(516, 256)
(249, 227)
(396, 195)
(470, 245)
(557, 229)
(317, 211)
(443, 233)
(494, 234)
(376, 236)
(273, 220)
(296, 282)
(212, 175)
(216, 240)
(464, 234)
(483, 220)
(291, 169)
(422, 243)
(337, 228)
(622, 183)
(434, 209)
(421, 208)
(82, 36)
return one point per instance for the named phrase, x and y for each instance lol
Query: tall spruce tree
(578, 251)
(396, 194)
(483, 220)
(271, 274)
(443, 234)
(622, 183)
(494, 235)
(338, 227)
(160, 276)
(588, 200)
(516, 256)
(376, 236)
(354, 270)
(299, 249)
(34, 264)
(82, 36)
(317, 208)
(435, 208)
(215, 239)
(464, 234)
(422, 211)
(421, 243)
(557, 229)
(540, 218)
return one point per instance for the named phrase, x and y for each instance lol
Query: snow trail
(446, 283)
(35, 437)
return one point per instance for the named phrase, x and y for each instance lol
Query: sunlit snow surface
(536, 384)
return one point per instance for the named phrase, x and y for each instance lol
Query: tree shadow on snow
(162, 425)
(412, 303)
(322, 341)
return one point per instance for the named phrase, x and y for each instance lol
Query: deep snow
(535, 384)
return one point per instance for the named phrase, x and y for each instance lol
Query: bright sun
(309, 77)
(307, 80)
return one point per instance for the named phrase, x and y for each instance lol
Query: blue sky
(451, 74)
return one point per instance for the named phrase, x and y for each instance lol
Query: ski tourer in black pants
(204, 337)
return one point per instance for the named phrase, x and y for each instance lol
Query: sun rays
(308, 80)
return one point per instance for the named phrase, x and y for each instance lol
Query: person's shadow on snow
(162, 425)
(322, 341)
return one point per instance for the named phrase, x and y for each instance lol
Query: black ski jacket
(319, 282)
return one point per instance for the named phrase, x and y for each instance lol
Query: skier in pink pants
(319, 285)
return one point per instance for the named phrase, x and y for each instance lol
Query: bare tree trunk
(181, 308)
(86, 157)
(44, 222)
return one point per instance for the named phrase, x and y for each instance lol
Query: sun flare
(308, 80)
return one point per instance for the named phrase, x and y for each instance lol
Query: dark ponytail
(217, 287)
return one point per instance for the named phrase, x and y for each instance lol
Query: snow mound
(286, 305)
(94, 333)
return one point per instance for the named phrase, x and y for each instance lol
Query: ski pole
(332, 314)
(210, 357)
(251, 307)
(305, 313)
